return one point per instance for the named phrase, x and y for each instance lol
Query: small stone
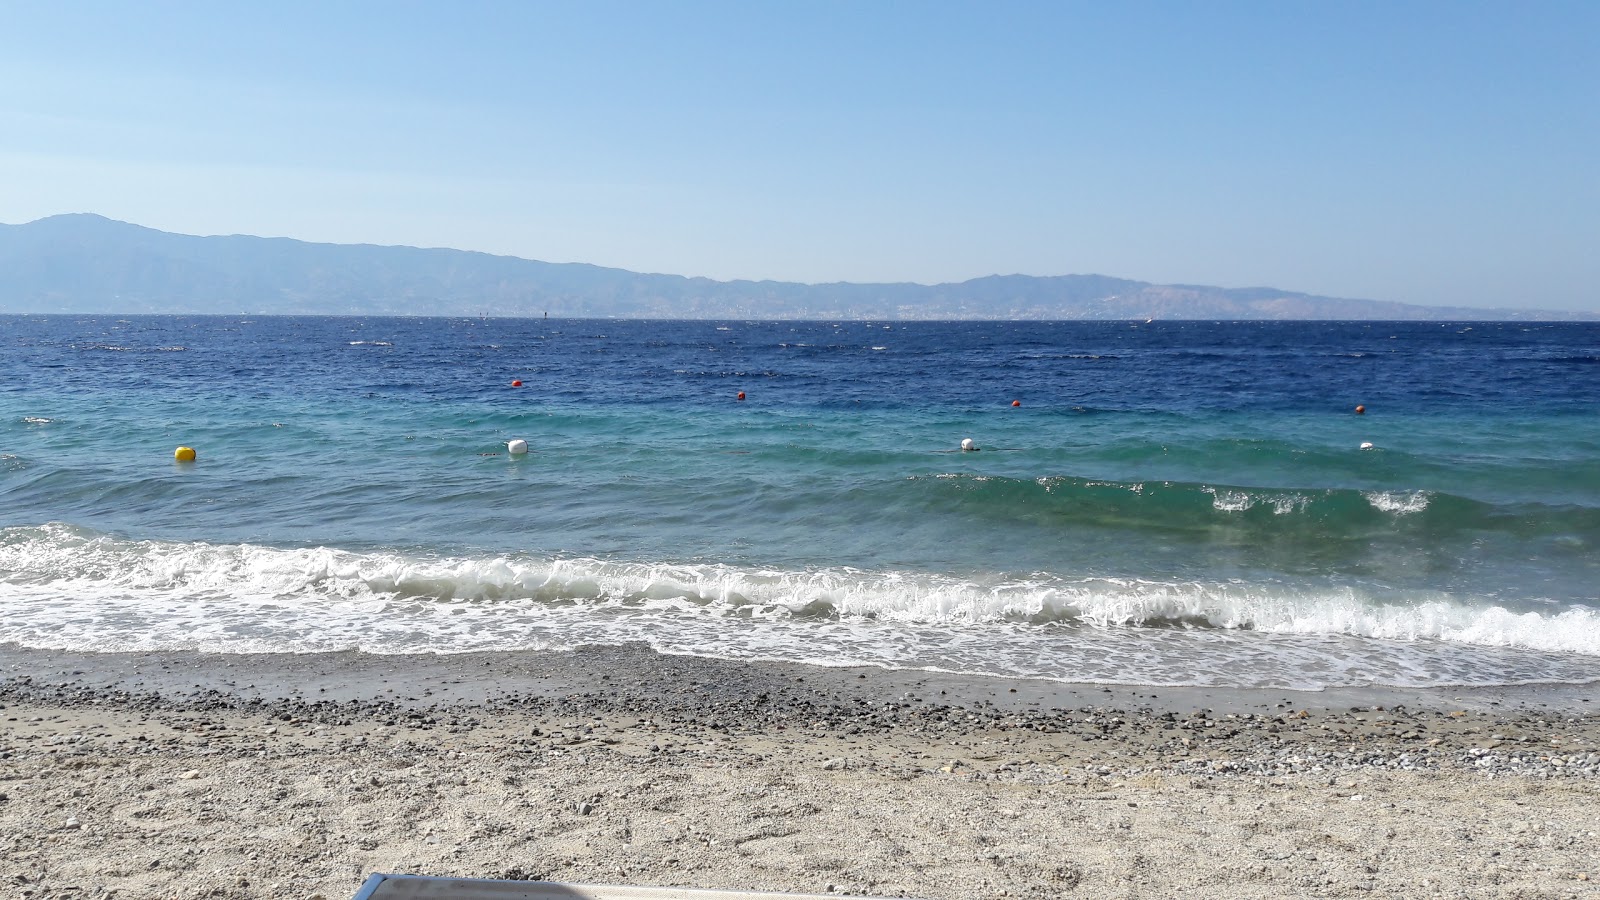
(832, 764)
(190, 775)
(72, 822)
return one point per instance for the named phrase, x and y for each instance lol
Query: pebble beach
(278, 775)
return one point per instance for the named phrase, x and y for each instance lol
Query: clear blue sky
(1438, 153)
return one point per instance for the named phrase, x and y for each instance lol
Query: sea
(1247, 504)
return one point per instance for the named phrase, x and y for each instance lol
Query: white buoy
(1366, 445)
(967, 444)
(517, 447)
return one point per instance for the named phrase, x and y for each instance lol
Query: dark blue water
(1167, 502)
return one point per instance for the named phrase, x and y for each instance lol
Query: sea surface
(1156, 503)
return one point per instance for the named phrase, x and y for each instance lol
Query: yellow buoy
(183, 454)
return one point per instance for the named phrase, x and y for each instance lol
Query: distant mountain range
(84, 263)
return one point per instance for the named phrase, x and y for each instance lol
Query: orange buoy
(1361, 410)
(517, 383)
(741, 395)
(1016, 403)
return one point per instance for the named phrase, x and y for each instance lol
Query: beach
(179, 774)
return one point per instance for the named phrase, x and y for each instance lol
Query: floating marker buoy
(1366, 445)
(517, 383)
(741, 395)
(1016, 403)
(183, 454)
(967, 444)
(517, 447)
(1361, 410)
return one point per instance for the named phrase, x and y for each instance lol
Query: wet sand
(185, 775)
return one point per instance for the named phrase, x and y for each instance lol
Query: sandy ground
(182, 775)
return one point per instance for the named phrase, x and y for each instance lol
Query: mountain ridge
(87, 263)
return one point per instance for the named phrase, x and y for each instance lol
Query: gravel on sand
(288, 776)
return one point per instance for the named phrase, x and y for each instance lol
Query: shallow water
(1170, 503)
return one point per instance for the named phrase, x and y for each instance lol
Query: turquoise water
(1170, 503)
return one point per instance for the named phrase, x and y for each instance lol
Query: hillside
(84, 263)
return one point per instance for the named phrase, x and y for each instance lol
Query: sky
(1435, 153)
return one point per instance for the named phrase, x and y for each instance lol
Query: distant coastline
(1555, 318)
(83, 263)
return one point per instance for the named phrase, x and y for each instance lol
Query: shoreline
(186, 774)
(635, 674)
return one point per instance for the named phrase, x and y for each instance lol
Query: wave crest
(59, 564)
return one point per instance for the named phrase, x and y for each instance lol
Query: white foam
(1230, 501)
(64, 587)
(1399, 502)
(1241, 501)
(1289, 503)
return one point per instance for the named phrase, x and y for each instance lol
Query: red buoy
(1016, 403)
(517, 383)
(741, 395)
(1361, 410)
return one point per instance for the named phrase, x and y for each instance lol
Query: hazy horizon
(678, 274)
